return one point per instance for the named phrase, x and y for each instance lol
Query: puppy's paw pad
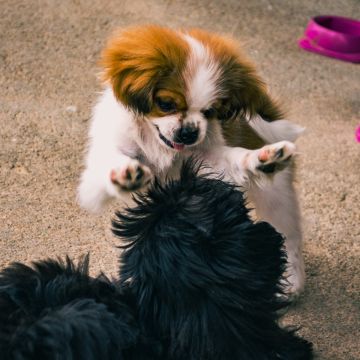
(275, 156)
(132, 176)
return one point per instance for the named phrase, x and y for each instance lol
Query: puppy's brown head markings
(142, 60)
(186, 83)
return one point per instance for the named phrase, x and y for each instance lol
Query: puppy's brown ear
(252, 96)
(245, 91)
(137, 60)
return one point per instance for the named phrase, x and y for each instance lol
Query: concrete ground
(48, 54)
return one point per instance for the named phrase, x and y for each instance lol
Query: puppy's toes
(132, 176)
(276, 156)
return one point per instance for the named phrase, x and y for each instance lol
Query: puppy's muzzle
(186, 135)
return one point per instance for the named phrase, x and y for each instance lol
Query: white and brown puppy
(173, 94)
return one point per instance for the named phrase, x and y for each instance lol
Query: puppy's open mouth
(171, 144)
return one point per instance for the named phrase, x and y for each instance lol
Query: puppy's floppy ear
(245, 91)
(136, 61)
(248, 93)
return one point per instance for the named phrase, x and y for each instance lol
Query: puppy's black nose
(186, 135)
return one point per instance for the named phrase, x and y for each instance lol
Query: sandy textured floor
(48, 53)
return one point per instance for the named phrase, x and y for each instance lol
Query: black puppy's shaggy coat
(205, 277)
(198, 280)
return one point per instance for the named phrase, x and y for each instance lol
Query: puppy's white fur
(202, 74)
(121, 141)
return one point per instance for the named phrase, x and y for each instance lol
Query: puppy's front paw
(276, 156)
(132, 176)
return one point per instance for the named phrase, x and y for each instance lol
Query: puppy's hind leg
(276, 202)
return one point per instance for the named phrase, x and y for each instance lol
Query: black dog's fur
(55, 310)
(198, 280)
(206, 278)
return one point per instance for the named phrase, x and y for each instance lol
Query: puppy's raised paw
(132, 176)
(275, 157)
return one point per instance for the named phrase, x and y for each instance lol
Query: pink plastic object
(357, 134)
(333, 36)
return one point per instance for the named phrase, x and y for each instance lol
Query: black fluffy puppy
(205, 277)
(199, 280)
(55, 310)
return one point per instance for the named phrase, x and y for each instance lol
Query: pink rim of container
(333, 36)
(357, 134)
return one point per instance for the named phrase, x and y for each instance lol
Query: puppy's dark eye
(165, 105)
(209, 113)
